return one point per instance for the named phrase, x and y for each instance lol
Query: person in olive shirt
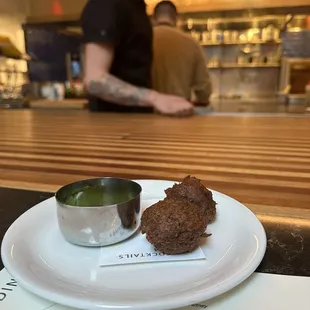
(179, 66)
(118, 59)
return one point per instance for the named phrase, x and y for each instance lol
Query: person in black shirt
(118, 59)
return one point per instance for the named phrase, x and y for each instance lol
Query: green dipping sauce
(91, 196)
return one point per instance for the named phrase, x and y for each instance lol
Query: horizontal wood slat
(258, 160)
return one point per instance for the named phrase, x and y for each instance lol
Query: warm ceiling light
(57, 8)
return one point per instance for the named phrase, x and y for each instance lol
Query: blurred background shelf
(232, 66)
(239, 43)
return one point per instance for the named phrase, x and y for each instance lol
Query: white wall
(12, 14)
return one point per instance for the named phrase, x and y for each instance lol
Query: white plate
(36, 255)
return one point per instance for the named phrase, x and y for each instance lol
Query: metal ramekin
(99, 225)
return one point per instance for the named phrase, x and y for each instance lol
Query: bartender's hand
(172, 105)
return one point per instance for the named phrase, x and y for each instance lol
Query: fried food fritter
(173, 226)
(176, 224)
(193, 191)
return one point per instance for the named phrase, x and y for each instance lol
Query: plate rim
(174, 303)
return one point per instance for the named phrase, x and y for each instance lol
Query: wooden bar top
(59, 104)
(264, 162)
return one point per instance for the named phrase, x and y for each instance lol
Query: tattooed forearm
(112, 89)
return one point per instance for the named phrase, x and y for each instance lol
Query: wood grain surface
(264, 162)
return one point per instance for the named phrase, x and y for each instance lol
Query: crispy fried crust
(193, 191)
(176, 224)
(173, 226)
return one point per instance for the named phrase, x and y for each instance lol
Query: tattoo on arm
(112, 89)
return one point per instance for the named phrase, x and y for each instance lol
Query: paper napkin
(138, 250)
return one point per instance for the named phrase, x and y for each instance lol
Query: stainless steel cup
(99, 212)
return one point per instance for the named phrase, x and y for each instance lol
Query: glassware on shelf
(270, 33)
(243, 37)
(206, 37)
(253, 35)
(216, 36)
(241, 60)
(227, 36)
(196, 35)
(214, 62)
(272, 59)
(234, 36)
(230, 36)
(190, 24)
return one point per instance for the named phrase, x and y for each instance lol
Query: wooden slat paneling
(259, 161)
